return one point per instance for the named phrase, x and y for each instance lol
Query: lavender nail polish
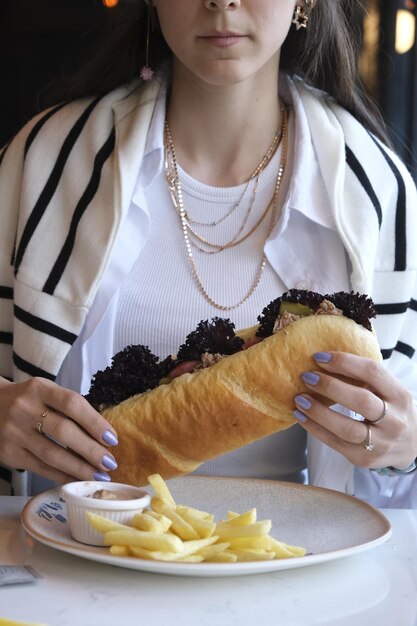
(302, 402)
(110, 438)
(311, 378)
(322, 357)
(102, 477)
(109, 462)
(299, 416)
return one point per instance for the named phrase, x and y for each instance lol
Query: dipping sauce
(108, 494)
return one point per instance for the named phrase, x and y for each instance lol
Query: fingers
(366, 372)
(341, 426)
(34, 464)
(89, 456)
(340, 384)
(358, 399)
(54, 432)
(361, 384)
(34, 397)
(40, 454)
(77, 408)
(348, 436)
(385, 435)
(383, 413)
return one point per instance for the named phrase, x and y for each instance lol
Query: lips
(222, 39)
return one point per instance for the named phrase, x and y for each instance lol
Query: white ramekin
(78, 499)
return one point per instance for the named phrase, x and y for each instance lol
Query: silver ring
(368, 445)
(383, 414)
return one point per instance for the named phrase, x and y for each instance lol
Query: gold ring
(39, 425)
(368, 445)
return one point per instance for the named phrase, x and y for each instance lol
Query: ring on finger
(367, 444)
(39, 425)
(383, 413)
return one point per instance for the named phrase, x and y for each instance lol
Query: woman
(278, 184)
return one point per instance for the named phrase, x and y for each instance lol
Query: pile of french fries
(173, 532)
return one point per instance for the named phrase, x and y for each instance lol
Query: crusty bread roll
(249, 395)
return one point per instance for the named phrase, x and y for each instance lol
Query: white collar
(307, 192)
(153, 156)
(306, 175)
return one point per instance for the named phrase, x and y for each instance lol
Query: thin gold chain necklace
(172, 165)
(175, 188)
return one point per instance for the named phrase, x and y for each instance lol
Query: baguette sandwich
(223, 390)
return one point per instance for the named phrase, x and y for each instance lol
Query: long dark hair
(325, 55)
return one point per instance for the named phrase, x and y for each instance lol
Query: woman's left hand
(388, 437)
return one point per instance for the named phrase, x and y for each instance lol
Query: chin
(225, 73)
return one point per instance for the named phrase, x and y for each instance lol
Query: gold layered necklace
(196, 240)
(172, 166)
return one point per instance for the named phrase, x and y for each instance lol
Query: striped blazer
(66, 181)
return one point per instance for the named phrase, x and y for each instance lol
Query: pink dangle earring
(302, 14)
(146, 72)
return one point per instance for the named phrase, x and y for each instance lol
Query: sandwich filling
(135, 370)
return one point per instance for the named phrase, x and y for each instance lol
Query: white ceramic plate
(330, 525)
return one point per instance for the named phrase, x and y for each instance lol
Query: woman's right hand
(53, 432)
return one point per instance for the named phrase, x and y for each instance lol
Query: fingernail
(322, 357)
(102, 476)
(299, 416)
(311, 378)
(110, 438)
(109, 462)
(303, 402)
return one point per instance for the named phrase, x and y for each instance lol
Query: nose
(222, 5)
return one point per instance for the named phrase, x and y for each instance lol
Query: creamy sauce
(108, 494)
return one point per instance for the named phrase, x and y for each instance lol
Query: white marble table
(377, 587)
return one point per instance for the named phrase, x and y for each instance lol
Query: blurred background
(42, 40)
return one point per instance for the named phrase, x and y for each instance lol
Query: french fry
(144, 521)
(143, 539)
(197, 512)
(161, 489)
(189, 548)
(284, 551)
(254, 555)
(103, 524)
(193, 558)
(222, 557)
(203, 526)
(182, 528)
(166, 523)
(264, 542)
(154, 555)
(257, 529)
(210, 552)
(234, 519)
(296, 550)
(119, 550)
(155, 515)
